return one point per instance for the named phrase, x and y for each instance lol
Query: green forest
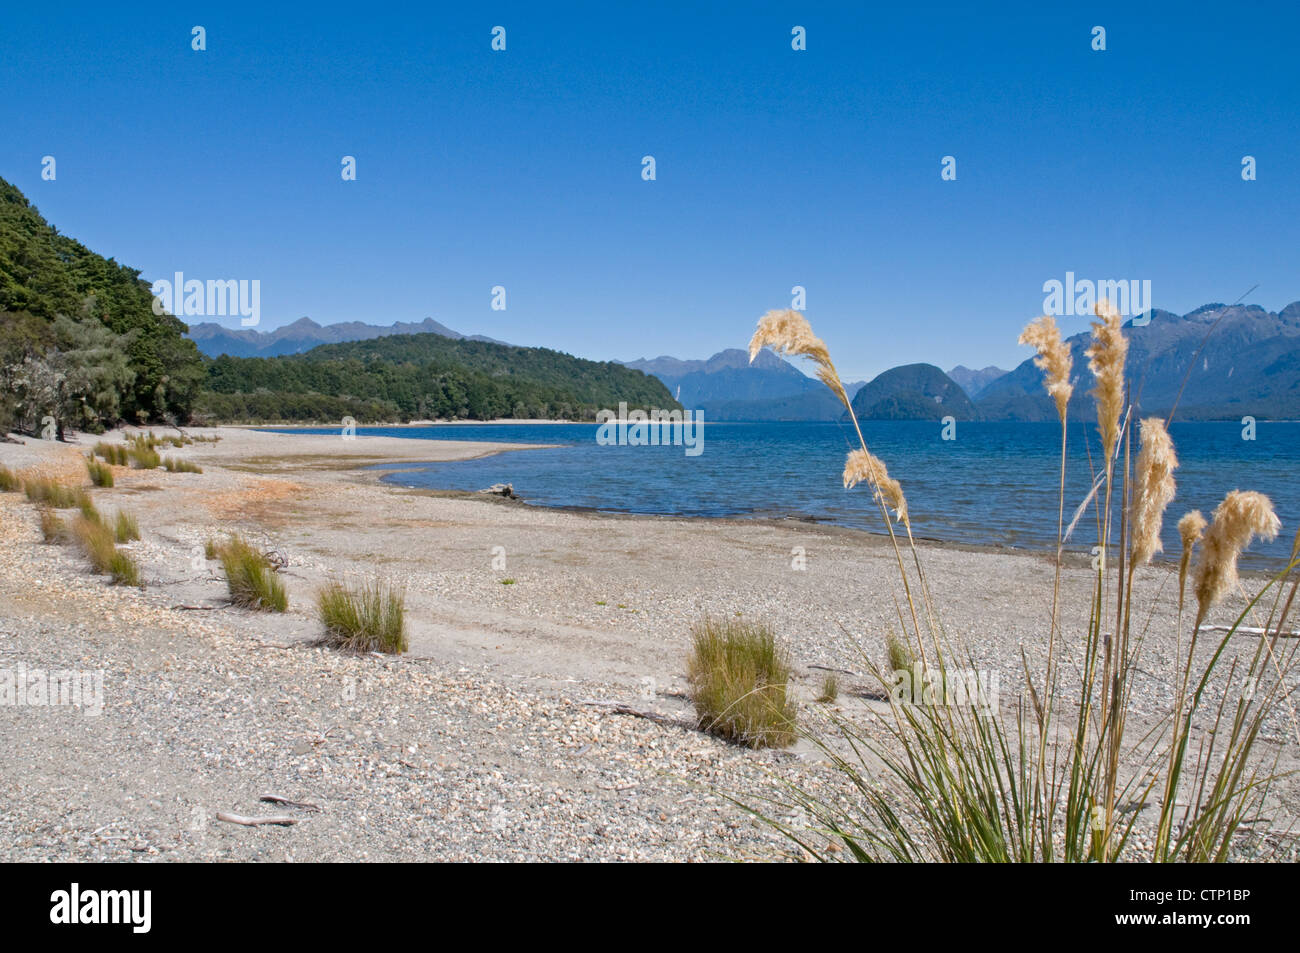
(80, 342)
(422, 376)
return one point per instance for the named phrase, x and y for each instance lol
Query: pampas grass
(1239, 518)
(1190, 528)
(954, 784)
(1053, 359)
(1106, 358)
(1155, 489)
(863, 466)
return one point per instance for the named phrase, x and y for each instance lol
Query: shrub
(101, 474)
(739, 682)
(250, 578)
(370, 617)
(125, 527)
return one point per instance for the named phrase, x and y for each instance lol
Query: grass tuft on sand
(370, 617)
(739, 683)
(251, 578)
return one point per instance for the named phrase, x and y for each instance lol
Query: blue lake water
(996, 483)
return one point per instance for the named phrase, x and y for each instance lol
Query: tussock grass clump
(830, 690)
(101, 474)
(251, 578)
(53, 529)
(10, 482)
(739, 682)
(125, 527)
(897, 654)
(53, 493)
(177, 465)
(144, 458)
(211, 549)
(114, 453)
(97, 542)
(370, 617)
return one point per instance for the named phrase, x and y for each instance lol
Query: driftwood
(194, 608)
(282, 819)
(618, 708)
(1248, 630)
(277, 799)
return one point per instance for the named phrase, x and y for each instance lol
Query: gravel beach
(498, 736)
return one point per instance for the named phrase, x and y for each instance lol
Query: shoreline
(528, 626)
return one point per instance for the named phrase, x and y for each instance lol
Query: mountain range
(1250, 365)
(305, 334)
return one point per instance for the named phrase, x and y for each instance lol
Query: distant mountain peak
(304, 334)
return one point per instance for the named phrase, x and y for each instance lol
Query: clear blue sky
(775, 167)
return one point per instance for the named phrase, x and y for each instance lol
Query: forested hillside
(78, 337)
(422, 376)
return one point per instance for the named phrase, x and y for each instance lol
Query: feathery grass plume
(1053, 359)
(862, 465)
(1106, 358)
(788, 332)
(1156, 463)
(1241, 515)
(1191, 528)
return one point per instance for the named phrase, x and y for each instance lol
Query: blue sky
(775, 168)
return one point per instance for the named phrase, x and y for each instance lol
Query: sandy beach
(496, 735)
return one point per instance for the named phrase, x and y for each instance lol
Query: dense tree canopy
(151, 371)
(416, 376)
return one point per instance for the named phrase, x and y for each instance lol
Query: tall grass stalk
(1021, 783)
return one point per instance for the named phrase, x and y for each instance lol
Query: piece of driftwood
(277, 799)
(618, 708)
(1248, 630)
(194, 608)
(282, 819)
